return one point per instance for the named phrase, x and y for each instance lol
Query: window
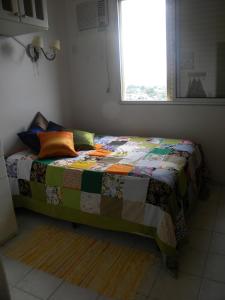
(143, 50)
(172, 50)
(200, 27)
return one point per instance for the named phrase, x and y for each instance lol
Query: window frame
(172, 68)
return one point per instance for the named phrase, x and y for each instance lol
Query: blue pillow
(35, 129)
(30, 138)
(54, 127)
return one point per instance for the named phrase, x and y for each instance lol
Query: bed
(138, 185)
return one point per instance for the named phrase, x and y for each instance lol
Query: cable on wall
(108, 89)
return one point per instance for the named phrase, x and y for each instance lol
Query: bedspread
(144, 181)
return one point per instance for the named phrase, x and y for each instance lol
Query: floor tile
(28, 220)
(145, 243)
(212, 290)
(39, 284)
(71, 292)
(140, 297)
(209, 205)
(215, 267)
(149, 279)
(104, 298)
(17, 294)
(199, 239)
(221, 198)
(221, 203)
(218, 243)
(91, 231)
(186, 287)
(204, 214)
(119, 238)
(220, 220)
(202, 221)
(15, 271)
(137, 297)
(192, 261)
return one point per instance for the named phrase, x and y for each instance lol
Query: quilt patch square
(92, 182)
(25, 188)
(71, 198)
(66, 162)
(38, 191)
(174, 162)
(72, 179)
(90, 203)
(14, 186)
(159, 194)
(83, 165)
(53, 194)
(112, 185)
(171, 141)
(153, 215)
(120, 169)
(164, 175)
(111, 207)
(100, 153)
(142, 171)
(24, 169)
(133, 211)
(54, 176)
(11, 166)
(38, 172)
(161, 151)
(135, 189)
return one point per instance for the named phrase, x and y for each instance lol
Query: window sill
(179, 101)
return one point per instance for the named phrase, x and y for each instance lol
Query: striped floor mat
(110, 269)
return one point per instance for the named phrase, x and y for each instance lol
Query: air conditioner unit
(92, 14)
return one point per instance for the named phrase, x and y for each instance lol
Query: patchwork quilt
(146, 181)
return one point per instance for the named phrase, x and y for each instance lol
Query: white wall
(95, 110)
(26, 88)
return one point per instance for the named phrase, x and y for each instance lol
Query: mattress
(133, 184)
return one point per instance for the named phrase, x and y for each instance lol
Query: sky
(143, 35)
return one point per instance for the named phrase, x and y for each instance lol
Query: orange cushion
(56, 144)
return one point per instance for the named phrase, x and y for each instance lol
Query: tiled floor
(202, 260)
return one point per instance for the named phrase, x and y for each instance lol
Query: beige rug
(111, 270)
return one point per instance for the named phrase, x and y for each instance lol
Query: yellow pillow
(56, 144)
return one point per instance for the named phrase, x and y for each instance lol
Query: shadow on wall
(8, 51)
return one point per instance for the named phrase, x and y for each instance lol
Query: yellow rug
(111, 270)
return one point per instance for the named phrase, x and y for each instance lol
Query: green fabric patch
(71, 198)
(171, 141)
(149, 145)
(46, 161)
(161, 151)
(38, 191)
(54, 176)
(83, 140)
(91, 182)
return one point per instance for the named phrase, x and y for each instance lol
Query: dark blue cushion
(30, 138)
(54, 127)
(35, 129)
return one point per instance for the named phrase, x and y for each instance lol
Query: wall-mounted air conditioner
(92, 14)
